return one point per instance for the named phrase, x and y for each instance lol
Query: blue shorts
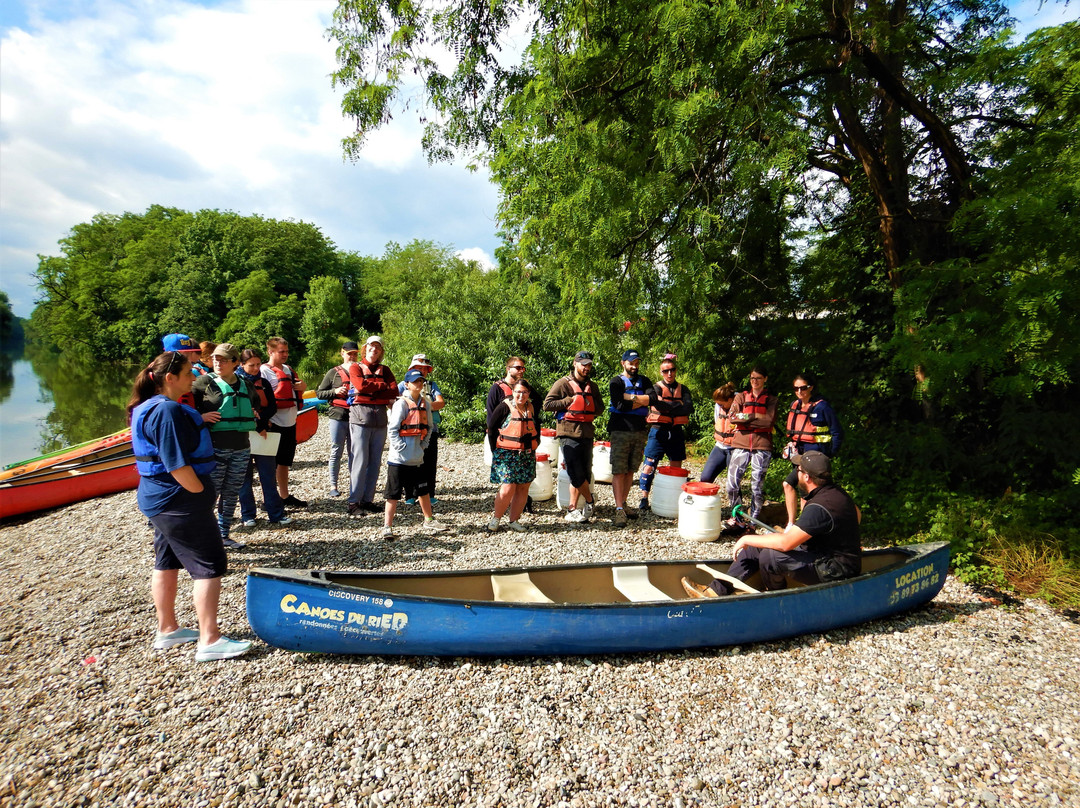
(665, 441)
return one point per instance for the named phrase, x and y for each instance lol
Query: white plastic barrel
(666, 491)
(699, 512)
(543, 487)
(488, 456)
(563, 492)
(601, 461)
(549, 445)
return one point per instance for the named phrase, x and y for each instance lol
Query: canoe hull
(307, 422)
(28, 497)
(308, 611)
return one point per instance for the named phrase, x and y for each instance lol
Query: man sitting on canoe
(822, 545)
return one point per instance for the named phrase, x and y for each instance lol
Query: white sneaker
(435, 526)
(517, 527)
(493, 524)
(588, 510)
(575, 516)
(248, 523)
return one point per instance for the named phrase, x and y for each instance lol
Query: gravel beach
(966, 702)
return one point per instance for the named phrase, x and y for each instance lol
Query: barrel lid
(543, 458)
(671, 471)
(602, 443)
(702, 489)
(547, 432)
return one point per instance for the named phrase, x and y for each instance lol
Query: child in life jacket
(408, 433)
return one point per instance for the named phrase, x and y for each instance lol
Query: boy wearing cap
(288, 395)
(184, 344)
(823, 544)
(627, 430)
(576, 401)
(335, 389)
(374, 389)
(226, 401)
(409, 431)
(435, 398)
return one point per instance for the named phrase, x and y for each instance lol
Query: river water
(48, 401)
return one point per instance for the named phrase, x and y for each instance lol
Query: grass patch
(1036, 568)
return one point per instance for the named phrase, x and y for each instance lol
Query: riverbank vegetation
(887, 195)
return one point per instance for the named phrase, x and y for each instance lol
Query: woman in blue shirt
(174, 457)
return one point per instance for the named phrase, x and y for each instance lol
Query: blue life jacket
(635, 386)
(147, 460)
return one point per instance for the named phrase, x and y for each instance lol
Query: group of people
(195, 408)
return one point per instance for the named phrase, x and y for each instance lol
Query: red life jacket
(284, 392)
(519, 433)
(722, 431)
(673, 396)
(506, 388)
(368, 373)
(754, 406)
(801, 429)
(583, 407)
(415, 423)
(338, 401)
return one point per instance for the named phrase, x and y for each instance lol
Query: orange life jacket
(415, 424)
(519, 433)
(347, 399)
(673, 396)
(801, 429)
(583, 406)
(284, 392)
(722, 431)
(506, 388)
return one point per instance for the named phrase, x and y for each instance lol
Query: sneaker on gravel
(178, 637)
(631, 513)
(517, 527)
(292, 502)
(248, 523)
(589, 510)
(493, 524)
(575, 516)
(371, 507)
(643, 506)
(231, 544)
(285, 520)
(435, 526)
(334, 492)
(410, 501)
(386, 532)
(620, 518)
(222, 649)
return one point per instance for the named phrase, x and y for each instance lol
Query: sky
(115, 105)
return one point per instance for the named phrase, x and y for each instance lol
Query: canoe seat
(634, 583)
(731, 579)
(517, 588)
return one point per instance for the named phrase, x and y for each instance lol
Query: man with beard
(628, 430)
(822, 545)
(575, 399)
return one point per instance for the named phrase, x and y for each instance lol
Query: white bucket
(543, 487)
(601, 461)
(549, 445)
(488, 457)
(563, 495)
(667, 490)
(699, 512)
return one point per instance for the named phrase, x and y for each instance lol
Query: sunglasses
(176, 355)
(800, 387)
(667, 370)
(517, 367)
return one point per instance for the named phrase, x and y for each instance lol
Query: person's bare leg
(163, 589)
(283, 481)
(206, 592)
(517, 504)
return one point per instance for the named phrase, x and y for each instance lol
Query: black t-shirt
(832, 520)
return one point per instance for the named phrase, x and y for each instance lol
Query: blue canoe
(576, 609)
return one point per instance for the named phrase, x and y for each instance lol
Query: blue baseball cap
(631, 356)
(414, 376)
(179, 342)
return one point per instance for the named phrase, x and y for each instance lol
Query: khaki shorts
(627, 451)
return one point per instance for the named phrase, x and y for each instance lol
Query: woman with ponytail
(174, 457)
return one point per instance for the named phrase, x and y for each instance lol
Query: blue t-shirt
(169, 427)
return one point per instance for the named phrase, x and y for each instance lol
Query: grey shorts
(627, 451)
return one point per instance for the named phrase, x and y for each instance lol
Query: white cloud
(478, 255)
(114, 106)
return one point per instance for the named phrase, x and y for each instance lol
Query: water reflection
(74, 401)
